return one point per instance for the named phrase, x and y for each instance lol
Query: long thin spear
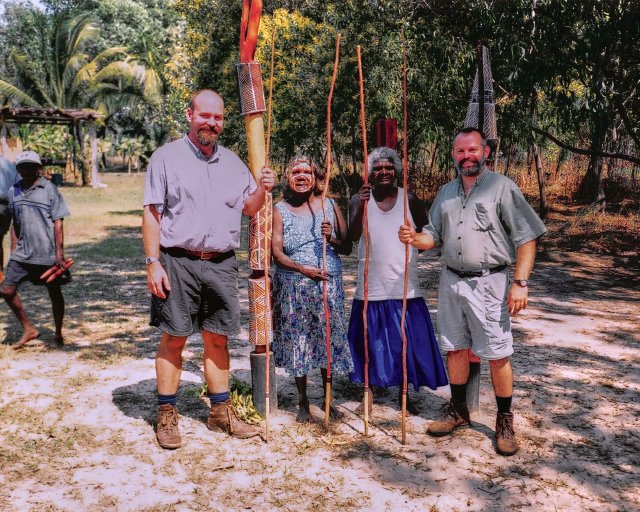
(266, 252)
(325, 284)
(365, 234)
(405, 166)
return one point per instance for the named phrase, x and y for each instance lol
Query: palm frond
(26, 67)
(118, 70)
(11, 92)
(152, 86)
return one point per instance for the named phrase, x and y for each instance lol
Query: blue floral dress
(298, 310)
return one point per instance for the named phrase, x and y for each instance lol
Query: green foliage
(581, 60)
(241, 399)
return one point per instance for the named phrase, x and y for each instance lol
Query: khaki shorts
(473, 313)
(203, 296)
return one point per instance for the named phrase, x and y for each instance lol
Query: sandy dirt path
(76, 425)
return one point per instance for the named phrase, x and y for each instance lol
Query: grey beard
(207, 138)
(474, 171)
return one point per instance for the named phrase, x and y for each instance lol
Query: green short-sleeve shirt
(484, 229)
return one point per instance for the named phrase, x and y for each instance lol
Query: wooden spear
(365, 235)
(325, 284)
(405, 166)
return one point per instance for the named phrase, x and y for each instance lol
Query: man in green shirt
(482, 223)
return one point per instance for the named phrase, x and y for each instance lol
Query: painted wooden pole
(325, 284)
(405, 181)
(365, 236)
(253, 105)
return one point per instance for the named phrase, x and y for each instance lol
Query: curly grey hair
(385, 153)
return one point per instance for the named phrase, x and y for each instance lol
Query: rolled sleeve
(520, 219)
(434, 228)
(155, 185)
(251, 185)
(59, 209)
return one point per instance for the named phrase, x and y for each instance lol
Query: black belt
(477, 273)
(198, 255)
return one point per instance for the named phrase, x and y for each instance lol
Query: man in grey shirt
(483, 224)
(37, 242)
(195, 194)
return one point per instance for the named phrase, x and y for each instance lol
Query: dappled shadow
(135, 213)
(139, 401)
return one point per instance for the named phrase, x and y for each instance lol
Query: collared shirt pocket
(486, 217)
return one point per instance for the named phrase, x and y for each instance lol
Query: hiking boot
(452, 415)
(506, 442)
(167, 432)
(223, 417)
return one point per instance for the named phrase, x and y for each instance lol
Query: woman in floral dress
(298, 309)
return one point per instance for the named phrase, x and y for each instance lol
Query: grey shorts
(17, 272)
(203, 296)
(473, 313)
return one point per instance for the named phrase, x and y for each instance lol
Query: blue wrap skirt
(424, 363)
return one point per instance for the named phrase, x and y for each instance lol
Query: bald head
(205, 114)
(207, 94)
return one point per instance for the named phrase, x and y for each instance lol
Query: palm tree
(69, 78)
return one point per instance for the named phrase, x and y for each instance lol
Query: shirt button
(460, 222)
(459, 238)
(459, 253)
(463, 207)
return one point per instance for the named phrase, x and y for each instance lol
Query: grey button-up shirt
(33, 212)
(484, 229)
(200, 199)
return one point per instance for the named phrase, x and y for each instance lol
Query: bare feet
(28, 335)
(334, 413)
(304, 415)
(57, 341)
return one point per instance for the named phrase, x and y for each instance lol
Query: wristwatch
(521, 282)
(152, 259)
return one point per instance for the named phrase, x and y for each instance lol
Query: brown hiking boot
(167, 432)
(223, 417)
(452, 415)
(506, 442)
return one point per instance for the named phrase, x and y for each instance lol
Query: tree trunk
(591, 189)
(541, 181)
(537, 160)
(561, 156)
(509, 153)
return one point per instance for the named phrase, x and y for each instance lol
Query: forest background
(565, 77)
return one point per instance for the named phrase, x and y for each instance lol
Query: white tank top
(386, 255)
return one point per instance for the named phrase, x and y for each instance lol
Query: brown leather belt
(201, 255)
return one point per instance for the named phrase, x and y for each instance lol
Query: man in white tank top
(385, 212)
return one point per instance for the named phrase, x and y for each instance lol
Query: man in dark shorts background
(37, 242)
(8, 177)
(196, 192)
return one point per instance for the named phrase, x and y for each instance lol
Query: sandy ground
(76, 426)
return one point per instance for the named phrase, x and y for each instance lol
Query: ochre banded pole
(253, 105)
(365, 234)
(267, 254)
(405, 180)
(325, 284)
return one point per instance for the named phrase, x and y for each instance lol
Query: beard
(471, 171)
(207, 136)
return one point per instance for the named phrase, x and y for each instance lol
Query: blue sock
(167, 399)
(217, 398)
